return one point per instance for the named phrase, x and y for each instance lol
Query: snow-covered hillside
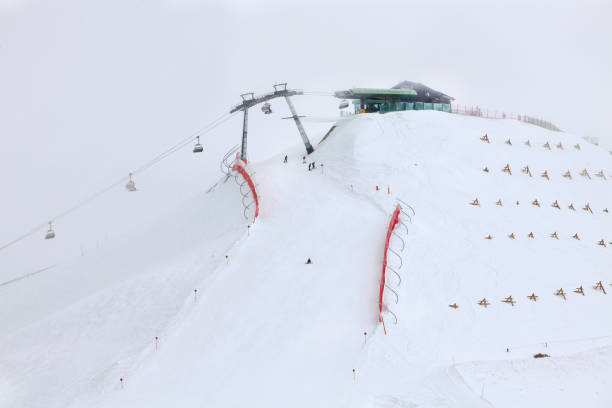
(266, 329)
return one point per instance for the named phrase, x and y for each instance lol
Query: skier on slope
(285, 161)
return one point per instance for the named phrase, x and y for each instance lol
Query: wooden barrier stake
(600, 286)
(527, 171)
(561, 293)
(509, 300)
(484, 302)
(585, 173)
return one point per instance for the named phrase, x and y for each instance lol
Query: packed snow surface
(266, 329)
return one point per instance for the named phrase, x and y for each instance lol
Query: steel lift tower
(249, 100)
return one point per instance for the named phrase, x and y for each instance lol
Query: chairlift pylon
(198, 147)
(50, 233)
(343, 104)
(130, 186)
(266, 108)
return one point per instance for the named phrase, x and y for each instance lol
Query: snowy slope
(269, 330)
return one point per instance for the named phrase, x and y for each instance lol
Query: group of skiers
(311, 165)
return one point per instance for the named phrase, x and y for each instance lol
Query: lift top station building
(406, 95)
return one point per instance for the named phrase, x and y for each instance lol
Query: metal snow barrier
(251, 193)
(226, 165)
(396, 219)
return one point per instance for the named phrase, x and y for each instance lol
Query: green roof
(374, 92)
(382, 91)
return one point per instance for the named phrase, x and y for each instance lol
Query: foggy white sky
(91, 89)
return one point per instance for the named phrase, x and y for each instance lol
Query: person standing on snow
(285, 161)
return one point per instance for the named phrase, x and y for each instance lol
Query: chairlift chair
(266, 108)
(343, 104)
(130, 186)
(50, 233)
(198, 147)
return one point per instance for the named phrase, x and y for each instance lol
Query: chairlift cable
(204, 130)
(183, 143)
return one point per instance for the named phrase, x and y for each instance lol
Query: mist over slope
(267, 329)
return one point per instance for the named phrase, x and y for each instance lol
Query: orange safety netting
(239, 167)
(392, 224)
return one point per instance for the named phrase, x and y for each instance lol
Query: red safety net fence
(392, 224)
(239, 167)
